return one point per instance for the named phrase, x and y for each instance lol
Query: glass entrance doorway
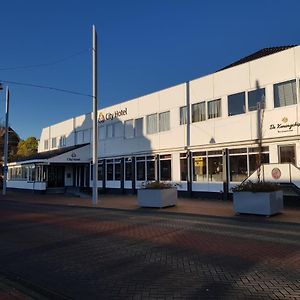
(287, 154)
(56, 176)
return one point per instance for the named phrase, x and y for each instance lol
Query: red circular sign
(276, 173)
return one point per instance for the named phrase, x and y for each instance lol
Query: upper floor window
(198, 112)
(214, 109)
(62, 141)
(118, 129)
(129, 129)
(164, 121)
(256, 97)
(109, 131)
(53, 142)
(102, 132)
(46, 144)
(285, 93)
(138, 127)
(152, 124)
(236, 104)
(183, 115)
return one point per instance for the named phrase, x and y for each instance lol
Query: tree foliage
(27, 147)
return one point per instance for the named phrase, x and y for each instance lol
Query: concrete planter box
(157, 197)
(266, 203)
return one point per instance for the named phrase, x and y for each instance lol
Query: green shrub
(256, 187)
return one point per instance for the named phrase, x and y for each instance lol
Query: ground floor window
(165, 167)
(238, 168)
(100, 169)
(150, 168)
(199, 166)
(117, 163)
(183, 167)
(140, 168)
(287, 154)
(113, 169)
(215, 168)
(128, 168)
(254, 161)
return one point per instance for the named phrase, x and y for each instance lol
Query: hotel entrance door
(56, 176)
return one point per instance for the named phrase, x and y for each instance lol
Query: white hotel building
(182, 133)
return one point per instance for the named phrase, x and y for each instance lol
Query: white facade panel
(231, 81)
(273, 68)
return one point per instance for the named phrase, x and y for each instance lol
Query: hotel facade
(207, 134)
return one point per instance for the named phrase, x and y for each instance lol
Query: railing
(278, 173)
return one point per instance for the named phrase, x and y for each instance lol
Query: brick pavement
(138, 254)
(129, 202)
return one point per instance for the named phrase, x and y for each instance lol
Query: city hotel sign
(284, 126)
(110, 116)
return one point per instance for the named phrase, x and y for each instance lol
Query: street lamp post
(95, 121)
(5, 168)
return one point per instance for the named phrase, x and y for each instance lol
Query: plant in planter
(157, 194)
(261, 198)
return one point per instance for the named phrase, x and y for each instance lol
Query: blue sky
(144, 46)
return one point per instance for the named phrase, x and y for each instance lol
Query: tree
(27, 147)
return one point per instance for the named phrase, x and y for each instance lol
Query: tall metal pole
(95, 120)
(5, 169)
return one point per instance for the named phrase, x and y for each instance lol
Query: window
(183, 167)
(238, 167)
(138, 127)
(129, 129)
(102, 132)
(183, 115)
(118, 130)
(254, 161)
(53, 143)
(198, 112)
(285, 93)
(117, 163)
(164, 121)
(236, 104)
(150, 168)
(287, 154)
(46, 144)
(140, 168)
(165, 167)
(128, 168)
(79, 137)
(100, 170)
(215, 168)
(110, 131)
(109, 170)
(86, 136)
(255, 97)
(199, 168)
(214, 109)
(62, 141)
(152, 124)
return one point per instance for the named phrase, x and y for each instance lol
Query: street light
(5, 168)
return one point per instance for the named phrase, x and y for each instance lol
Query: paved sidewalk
(62, 252)
(207, 207)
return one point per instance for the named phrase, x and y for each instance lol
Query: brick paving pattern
(81, 253)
